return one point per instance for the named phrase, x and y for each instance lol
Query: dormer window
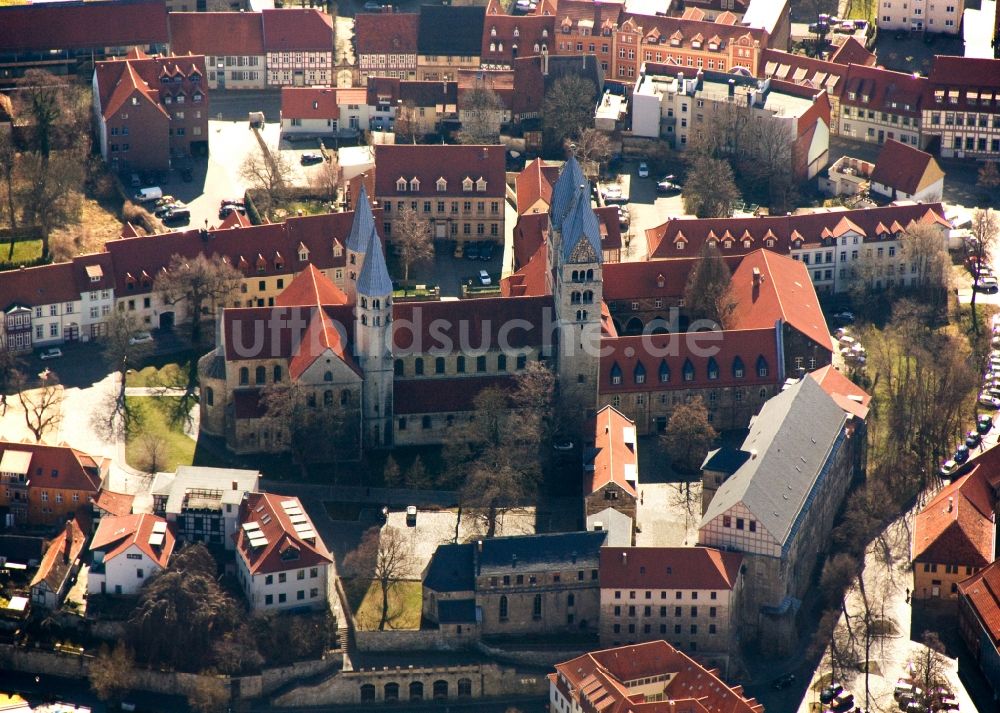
(401, 184)
(481, 185)
(664, 372)
(640, 373)
(180, 98)
(713, 368)
(728, 244)
(536, 48)
(197, 97)
(688, 370)
(500, 47)
(616, 374)
(442, 185)
(517, 32)
(337, 250)
(414, 184)
(545, 34)
(493, 46)
(769, 243)
(746, 243)
(493, 31)
(303, 253)
(467, 184)
(167, 99)
(315, 105)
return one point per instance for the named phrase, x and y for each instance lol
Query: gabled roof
(374, 280)
(113, 503)
(982, 593)
(116, 534)
(77, 25)
(386, 32)
(965, 71)
(851, 397)
(450, 30)
(309, 103)
(539, 550)
(615, 456)
(310, 288)
(451, 569)
(429, 162)
(283, 543)
(669, 568)
(534, 185)
(853, 52)
(905, 168)
(54, 467)
(297, 30)
(322, 335)
(64, 549)
(126, 85)
(218, 34)
(564, 191)
(879, 88)
(789, 442)
(37, 286)
(956, 527)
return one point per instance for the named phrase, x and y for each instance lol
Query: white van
(146, 195)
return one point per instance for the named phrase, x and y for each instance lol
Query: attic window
(536, 48)
(400, 184)
(467, 184)
(728, 244)
(517, 32)
(337, 250)
(303, 255)
(167, 99)
(414, 184)
(769, 243)
(640, 373)
(696, 44)
(664, 372)
(746, 243)
(442, 185)
(545, 34)
(315, 105)
(197, 97)
(616, 374)
(714, 46)
(493, 31)
(481, 185)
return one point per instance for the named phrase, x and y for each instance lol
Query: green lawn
(404, 605)
(155, 418)
(24, 250)
(171, 374)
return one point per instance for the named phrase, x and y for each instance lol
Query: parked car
(411, 515)
(50, 353)
(828, 694)
(140, 338)
(973, 439)
(984, 423)
(961, 454)
(459, 249)
(231, 201)
(472, 251)
(989, 285)
(563, 446)
(948, 468)
(148, 195)
(643, 169)
(165, 200)
(308, 159)
(667, 185)
(225, 211)
(166, 210)
(486, 251)
(783, 681)
(484, 278)
(372, 6)
(177, 215)
(989, 401)
(845, 317)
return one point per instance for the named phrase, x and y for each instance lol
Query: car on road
(973, 439)
(667, 185)
(308, 159)
(643, 169)
(948, 468)
(484, 278)
(961, 454)
(989, 285)
(984, 423)
(50, 353)
(782, 682)
(140, 338)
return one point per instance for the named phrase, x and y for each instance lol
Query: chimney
(513, 560)
(661, 280)
(757, 277)
(69, 540)
(624, 558)
(951, 503)
(732, 87)
(545, 61)
(236, 486)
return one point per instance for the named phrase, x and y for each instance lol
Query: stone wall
(414, 640)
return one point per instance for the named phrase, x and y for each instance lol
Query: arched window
(738, 368)
(439, 365)
(501, 362)
(367, 693)
(209, 396)
(390, 692)
(418, 366)
(397, 368)
(440, 690)
(464, 687)
(590, 275)
(244, 376)
(376, 304)
(417, 691)
(616, 374)
(688, 370)
(588, 297)
(536, 608)
(327, 376)
(575, 298)
(503, 608)
(277, 374)
(761, 366)
(345, 397)
(639, 375)
(328, 398)
(260, 375)
(579, 316)
(713, 368)
(664, 372)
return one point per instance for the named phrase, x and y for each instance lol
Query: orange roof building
(979, 620)
(127, 550)
(611, 475)
(60, 563)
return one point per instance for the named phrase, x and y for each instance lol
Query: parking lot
(646, 210)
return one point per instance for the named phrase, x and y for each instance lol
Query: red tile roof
(631, 357)
(285, 548)
(658, 26)
(902, 167)
(59, 467)
(530, 233)
(309, 103)
(297, 30)
(499, 31)
(534, 184)
(233, 220)
(113, 503)
(654, 278)
(253, 333)
(530, 280)
(784, 292)
(69, 26)
(217, 33)
(878, 88)
(116, 534)
(803, 70)
(848, 395)
(853, 52)
(310, 287)
(386, 33)
(36, 286)
(428, 163)
(956, 527)
(982, 592)
(965, 72)
(321, 335)
(120, 79)
(669, 568)
(616, 453)
(63, 550)
(420, 396)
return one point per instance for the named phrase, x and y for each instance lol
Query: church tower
(576, 257)
(357, 243)
(373, 339)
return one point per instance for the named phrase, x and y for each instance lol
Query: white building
(921, 15)
(127, 551)
(281, 562)
(903, 172)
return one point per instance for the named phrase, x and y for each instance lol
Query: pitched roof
(515, 34)
(321, 336)
(614, 458)
(53, 467)
(64, 549)
(297, 30)
(217, 33)
(287, 538)
(450, 30)
(539, 550)
(956, 527)
(113, 503)
(669, 568)
(386, 32)
(374, 280)
(982, 593)
(74, 25)
(310, 287)
(803, 70)
(309, 103)
(652, 278)
(37, 286)
(905, 168)
(534, 185)
(792, 437)
(451, 569)
(118, 89)
(853, 52)
(531, 280)
(965, 71)
(784, 291)
(851, 397)
(882, 89)
(564, 191)
(581, 233)
(426, 396)
(253, 333)
(429, 162)
(116, 534)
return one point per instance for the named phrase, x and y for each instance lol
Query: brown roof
(113, 503)
(652, 278)
(956, 527)
(36, 286)
(659, 26)
(803, 70)
(879, 89)
(217, 33)
(116, 534)
(499, 31)
(905, 168)
(309, 103)
(669, 568)
(420, 396)
(853, 52)
(428, 163)
(62, 552)
(530, 280)
(310, 287)
(534, 184)
(848, 395)
(429, 94)
(982, 592)
(297, 30)
(386, 33)
(281, 537)
(59, 467)
(965, 71)
(69, 26)
(615, 458)
(119, 79)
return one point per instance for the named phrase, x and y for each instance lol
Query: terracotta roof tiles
(217, 33)
(669, 568)
(956, 526)
(77, 25)
(57, 467)
(297, 30)
(982, 592)
(117, 534)
(615, 457)
(428, 163)
(903, 167)
(386, 33)
(284, 546)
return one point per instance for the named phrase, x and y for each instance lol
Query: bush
(252, 213)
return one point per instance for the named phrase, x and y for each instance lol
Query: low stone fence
(413, 640)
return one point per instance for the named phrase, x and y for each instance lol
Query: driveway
(647, 210)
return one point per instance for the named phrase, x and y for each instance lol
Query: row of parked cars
(987, 281)
(913, 699)
(836, 700)
(475, 251)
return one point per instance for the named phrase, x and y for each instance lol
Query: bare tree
(387, 558)
(568, 109)
(52, 188)
(592, 145)
(988, 177)
(925, 249)
(985, 227)
(930, 665)
(317, 426)
(411, 238)
(708, 294)
(8, 160)
(710, 190)
(42, 406)
(112, 674)
(209, 694)
(326, 178)
(153, 453)
(201, 283)
(120, 350)
(481, 112)
(406, 126)
(269, 173)
(688, 435)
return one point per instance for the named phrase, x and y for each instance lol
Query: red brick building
(150, 109)
(46, 485)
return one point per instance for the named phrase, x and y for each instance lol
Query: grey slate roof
(450, 569)
(528, 550)
(791, 436)
(374, 279)
(363, 225)
(570, 179)
(457, 611)
(725, 460)
(581, 224)
(451, 30)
